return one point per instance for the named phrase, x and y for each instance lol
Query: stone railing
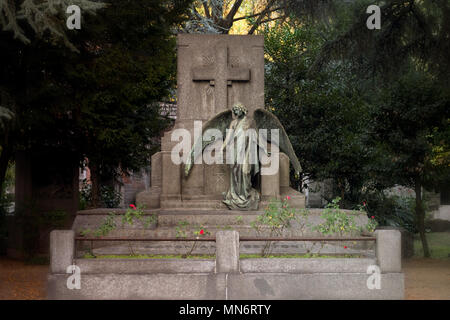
(228, 276)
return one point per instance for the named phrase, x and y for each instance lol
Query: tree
(98, 101)
(23, 24)
(411, 123)
(219, 16)
(45, 18)
(411, 30)
(414, 36)
(324, 114)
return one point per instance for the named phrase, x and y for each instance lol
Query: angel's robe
(242, 195)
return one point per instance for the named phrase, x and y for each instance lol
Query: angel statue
(241, 140)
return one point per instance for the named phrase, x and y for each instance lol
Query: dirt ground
(19, 281)
(424, 279)
(427, 279)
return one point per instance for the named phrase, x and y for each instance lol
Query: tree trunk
(95, 185)
(4, 160)
(420, 217)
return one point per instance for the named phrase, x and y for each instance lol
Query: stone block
(313, 286)
(292, 265)
(62, 245)
(156, 178)
(149, 198)
(157, 286)
(389, 250)
(270, 184)
(144, 266)
(284, 170)
(227, 251)
(171, 175)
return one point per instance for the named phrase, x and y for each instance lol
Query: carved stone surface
(213, 73)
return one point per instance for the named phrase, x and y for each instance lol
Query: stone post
(270, 184)
(227, 252)
(62, 245)
(389, 250)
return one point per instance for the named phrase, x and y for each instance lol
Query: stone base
(210, 286)
(151, 199)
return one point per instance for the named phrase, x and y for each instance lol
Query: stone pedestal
(214, 72)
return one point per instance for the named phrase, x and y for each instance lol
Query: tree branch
(233, 11)
(206, 8)
(263, 13)
(257, 14)
(272, 19)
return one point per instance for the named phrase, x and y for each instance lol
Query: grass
(438, 242)
(205, 256)
(148, 256)
(303, 256)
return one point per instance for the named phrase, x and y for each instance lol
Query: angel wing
(266, 120)
(221, 122)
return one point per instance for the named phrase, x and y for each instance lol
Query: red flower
(287, 197)
(345, 247)
(373, 217)
(364, 203)
(133, 206)
(202, 232)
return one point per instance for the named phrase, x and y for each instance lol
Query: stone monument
(214, 72)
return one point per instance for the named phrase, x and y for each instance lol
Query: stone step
(247, 247)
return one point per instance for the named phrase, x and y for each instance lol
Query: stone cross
(221, 76)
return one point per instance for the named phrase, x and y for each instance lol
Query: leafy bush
(394, 211)
(336, 221)
(277, 216)
(109, 197)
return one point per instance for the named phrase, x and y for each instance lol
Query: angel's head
(239, 109)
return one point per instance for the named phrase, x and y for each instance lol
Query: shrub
(394, 211)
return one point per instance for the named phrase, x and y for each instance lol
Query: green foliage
(277, 217)
(411, 32)
(102, 103)
(149, 256)
(336, 220)
(182, 228)
(46, 18)
(395, 211)
(107, 226)
(323, 113)
(136, 213)
(408, 117)
(439, 245)
(109, 197)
